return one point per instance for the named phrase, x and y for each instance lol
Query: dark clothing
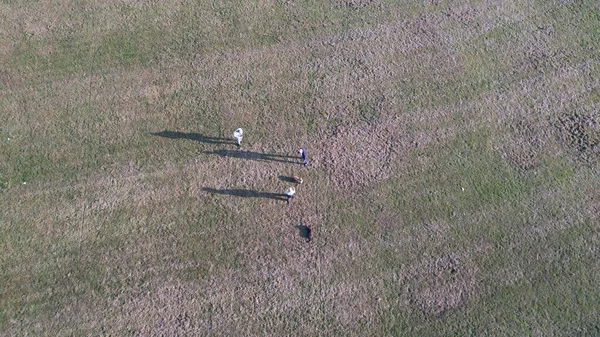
(303, 156)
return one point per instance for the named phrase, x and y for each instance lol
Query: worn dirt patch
(440, 284)
(6, 48)
(169, 309)
(356, 156)
(524, 152)
(356, 4)
(579, 131)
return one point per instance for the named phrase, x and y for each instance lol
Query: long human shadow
(259, 156)
(287, 179)
(246, 193)
(193, 136)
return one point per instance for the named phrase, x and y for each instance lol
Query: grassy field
(453, 187)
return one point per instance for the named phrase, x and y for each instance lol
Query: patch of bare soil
(6, 48)
(373, 149)
(356, 156)
(579, 131)
(524, 152)
(356, 4)
(168, 310)
(440, 284)
(5, 79)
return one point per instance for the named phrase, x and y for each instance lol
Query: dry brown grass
(451, 191)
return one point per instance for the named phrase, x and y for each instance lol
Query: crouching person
(290, 192)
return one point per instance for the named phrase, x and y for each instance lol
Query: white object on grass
(290, 191)
(238, 134)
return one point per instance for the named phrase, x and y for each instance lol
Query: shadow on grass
(287, 179)
(304, 232)
(247, 193)
(255, 156)
(193, 136)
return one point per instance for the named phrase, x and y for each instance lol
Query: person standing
(290, 192)
(238, 134)
(302, 153)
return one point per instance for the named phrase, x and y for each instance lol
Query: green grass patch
(467, 176)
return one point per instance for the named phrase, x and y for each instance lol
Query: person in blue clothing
(302, 153)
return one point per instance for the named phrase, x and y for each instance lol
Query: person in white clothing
(238, 134)
(290, 192)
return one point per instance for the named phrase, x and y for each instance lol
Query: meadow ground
(453, 188)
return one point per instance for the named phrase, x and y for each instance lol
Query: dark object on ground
(292, 179)
(246, 193)
(254, 156)
(305, 232)
(193, 136)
